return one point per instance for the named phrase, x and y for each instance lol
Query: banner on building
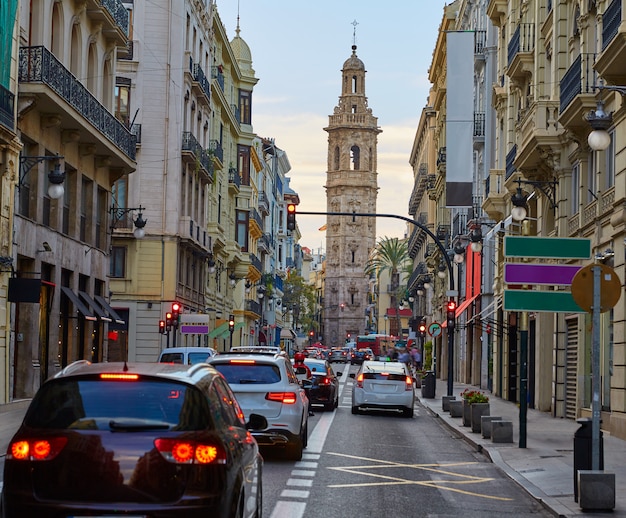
(459, 118)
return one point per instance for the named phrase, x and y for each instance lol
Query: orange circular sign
(610, 287)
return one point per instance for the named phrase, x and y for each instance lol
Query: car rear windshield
(384, 376)
(242, 373)
(95, 403)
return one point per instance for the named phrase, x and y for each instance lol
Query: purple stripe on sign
(550, 274)
(196, 330)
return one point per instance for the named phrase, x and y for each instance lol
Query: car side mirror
(351, 375)
(306, 384)
(338, 374)
(256, 422)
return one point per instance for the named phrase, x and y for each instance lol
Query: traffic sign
(547, 247)
(434, 329)
(583, 288)
(530, 300)
(536, 273)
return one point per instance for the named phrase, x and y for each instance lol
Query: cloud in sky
(298, 50)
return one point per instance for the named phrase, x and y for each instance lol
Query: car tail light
(190, 452)
(408, 383)
(359, 380)
(36, 449)
(118, 376)
(247, 362)
(287, 398)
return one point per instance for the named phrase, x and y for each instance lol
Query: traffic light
(451, 313)
(422, 328)
(231, 323)
(162, 327)
(175, 313)
(168, 321)
(291, 216)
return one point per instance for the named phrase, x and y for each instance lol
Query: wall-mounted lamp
(118, 213)
(56, 177)
(476, 239)
(518, 200)
(260, 292)
(442, 269)
(459, 253)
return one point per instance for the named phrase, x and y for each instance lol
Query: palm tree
(392, 255)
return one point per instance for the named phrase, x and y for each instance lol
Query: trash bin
(583, 450)
(428, 385)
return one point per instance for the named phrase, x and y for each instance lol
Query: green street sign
(540, 301)
(547, 247)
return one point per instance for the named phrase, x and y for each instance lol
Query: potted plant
(477, 404)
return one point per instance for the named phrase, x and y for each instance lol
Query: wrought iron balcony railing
(7, 103)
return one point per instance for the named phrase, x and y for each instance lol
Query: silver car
(383, 386)
(265, 383)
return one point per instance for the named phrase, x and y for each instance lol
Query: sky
(298, 49)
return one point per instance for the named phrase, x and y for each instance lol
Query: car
(186, 355)
(361, 355)
(383, 386)
(323, 388)
(338, 354)
(134, 439)
(266, 384)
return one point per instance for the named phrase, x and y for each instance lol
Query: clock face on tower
(351, 186)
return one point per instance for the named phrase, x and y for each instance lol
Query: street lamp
(117, 213)
(386, 317)
(56, 177)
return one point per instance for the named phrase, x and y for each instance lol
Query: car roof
(187, 349)
(173, 371)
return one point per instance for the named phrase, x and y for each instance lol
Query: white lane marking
(317, 438)
(285, 509)
(294, 493)
(302, 473)
(301, 482)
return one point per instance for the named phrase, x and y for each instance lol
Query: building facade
(351, 186)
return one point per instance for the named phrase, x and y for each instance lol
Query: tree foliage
(300, 297)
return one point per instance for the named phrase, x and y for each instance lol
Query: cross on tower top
(354, 23)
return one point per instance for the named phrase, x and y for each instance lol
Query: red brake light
(246, 362)
(37, 449)
(287, 398)
(118, 376)
(359, 380)
(408, 383)
(326, 380)
(190, 452)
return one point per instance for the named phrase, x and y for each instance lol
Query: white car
(383, 385)
(186, 355)
(265, 383)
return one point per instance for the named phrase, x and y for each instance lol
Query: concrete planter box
(477, 411)
(445, 402)
(596, 490)
(485, 425)
(467, 413)
(456, 408)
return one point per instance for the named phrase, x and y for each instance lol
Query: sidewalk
(545, 468)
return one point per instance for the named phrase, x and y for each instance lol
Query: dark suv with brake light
(151, 439)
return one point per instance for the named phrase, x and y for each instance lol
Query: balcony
(234, 180)
(264, 205)
(193, 153)
(510, 162)
(610, 63)
(113, 17)
(263, 244)
(218, 152)
(58, 92)
(540, 130)
(496, 199)
(127, 53)
(218, 75)
(521, 52)
(419, 187)
(7, 108)
(418, 236)
(258, 220)
(480, 40)
(255, 262)
(199, 83)
(135, 129)
(577, 96)
(254, 307)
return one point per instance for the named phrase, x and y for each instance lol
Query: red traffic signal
(422, 328)
(162, 326)
(451, 313)
(291, 216)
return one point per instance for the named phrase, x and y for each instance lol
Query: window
(245, 106)
(355, 157)
(243, 152)
(118, 262)
(575, 196)
(122, 100)
(242, 229)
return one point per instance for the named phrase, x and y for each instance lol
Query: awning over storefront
(78, 305)
(94, 307)
(463, 306)
(226, 333)
(288, 334)
(112, 313)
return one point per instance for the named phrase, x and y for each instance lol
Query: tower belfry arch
(351, 186)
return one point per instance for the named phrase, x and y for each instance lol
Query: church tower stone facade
(351, 186)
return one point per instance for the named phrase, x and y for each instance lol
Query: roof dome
(353, 62)
(242, 54)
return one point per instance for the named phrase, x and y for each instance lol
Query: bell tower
(351, 186)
